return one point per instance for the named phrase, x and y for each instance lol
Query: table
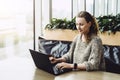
(18, 68)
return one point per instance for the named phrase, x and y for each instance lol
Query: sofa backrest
(112, 58)
(54, 47)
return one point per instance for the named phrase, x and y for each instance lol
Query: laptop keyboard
(57, 70)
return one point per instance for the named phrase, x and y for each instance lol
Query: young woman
(86, 52)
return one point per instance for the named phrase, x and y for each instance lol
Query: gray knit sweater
(90, 54)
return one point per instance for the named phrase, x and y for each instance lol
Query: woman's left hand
(64, 65)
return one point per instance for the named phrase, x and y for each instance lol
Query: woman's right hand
(53, 59)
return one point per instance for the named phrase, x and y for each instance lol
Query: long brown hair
(89, 18)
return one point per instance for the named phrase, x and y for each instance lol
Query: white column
(37, 22)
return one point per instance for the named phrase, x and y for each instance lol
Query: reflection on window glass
(15, 27)
(78, 5)
(112, 7)
(118, 7)
(61, 9)
(45, 13)
(106, 7)
(89, 6)
(99, 7)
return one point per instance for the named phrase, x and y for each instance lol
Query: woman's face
(82, 25)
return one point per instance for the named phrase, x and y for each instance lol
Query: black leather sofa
(59, 48)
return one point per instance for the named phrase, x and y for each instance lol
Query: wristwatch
(75, 66)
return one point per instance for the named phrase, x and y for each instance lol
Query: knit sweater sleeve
(95, 57)
(69, 55)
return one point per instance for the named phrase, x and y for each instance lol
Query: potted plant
(109, 26)
(62, 29)
(61, 24)
(109, 23)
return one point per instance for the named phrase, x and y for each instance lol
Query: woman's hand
(64, 65)
(53, 59)
(56, 60)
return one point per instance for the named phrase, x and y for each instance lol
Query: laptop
(42, 61)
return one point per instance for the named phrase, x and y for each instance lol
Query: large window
(16, 27)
